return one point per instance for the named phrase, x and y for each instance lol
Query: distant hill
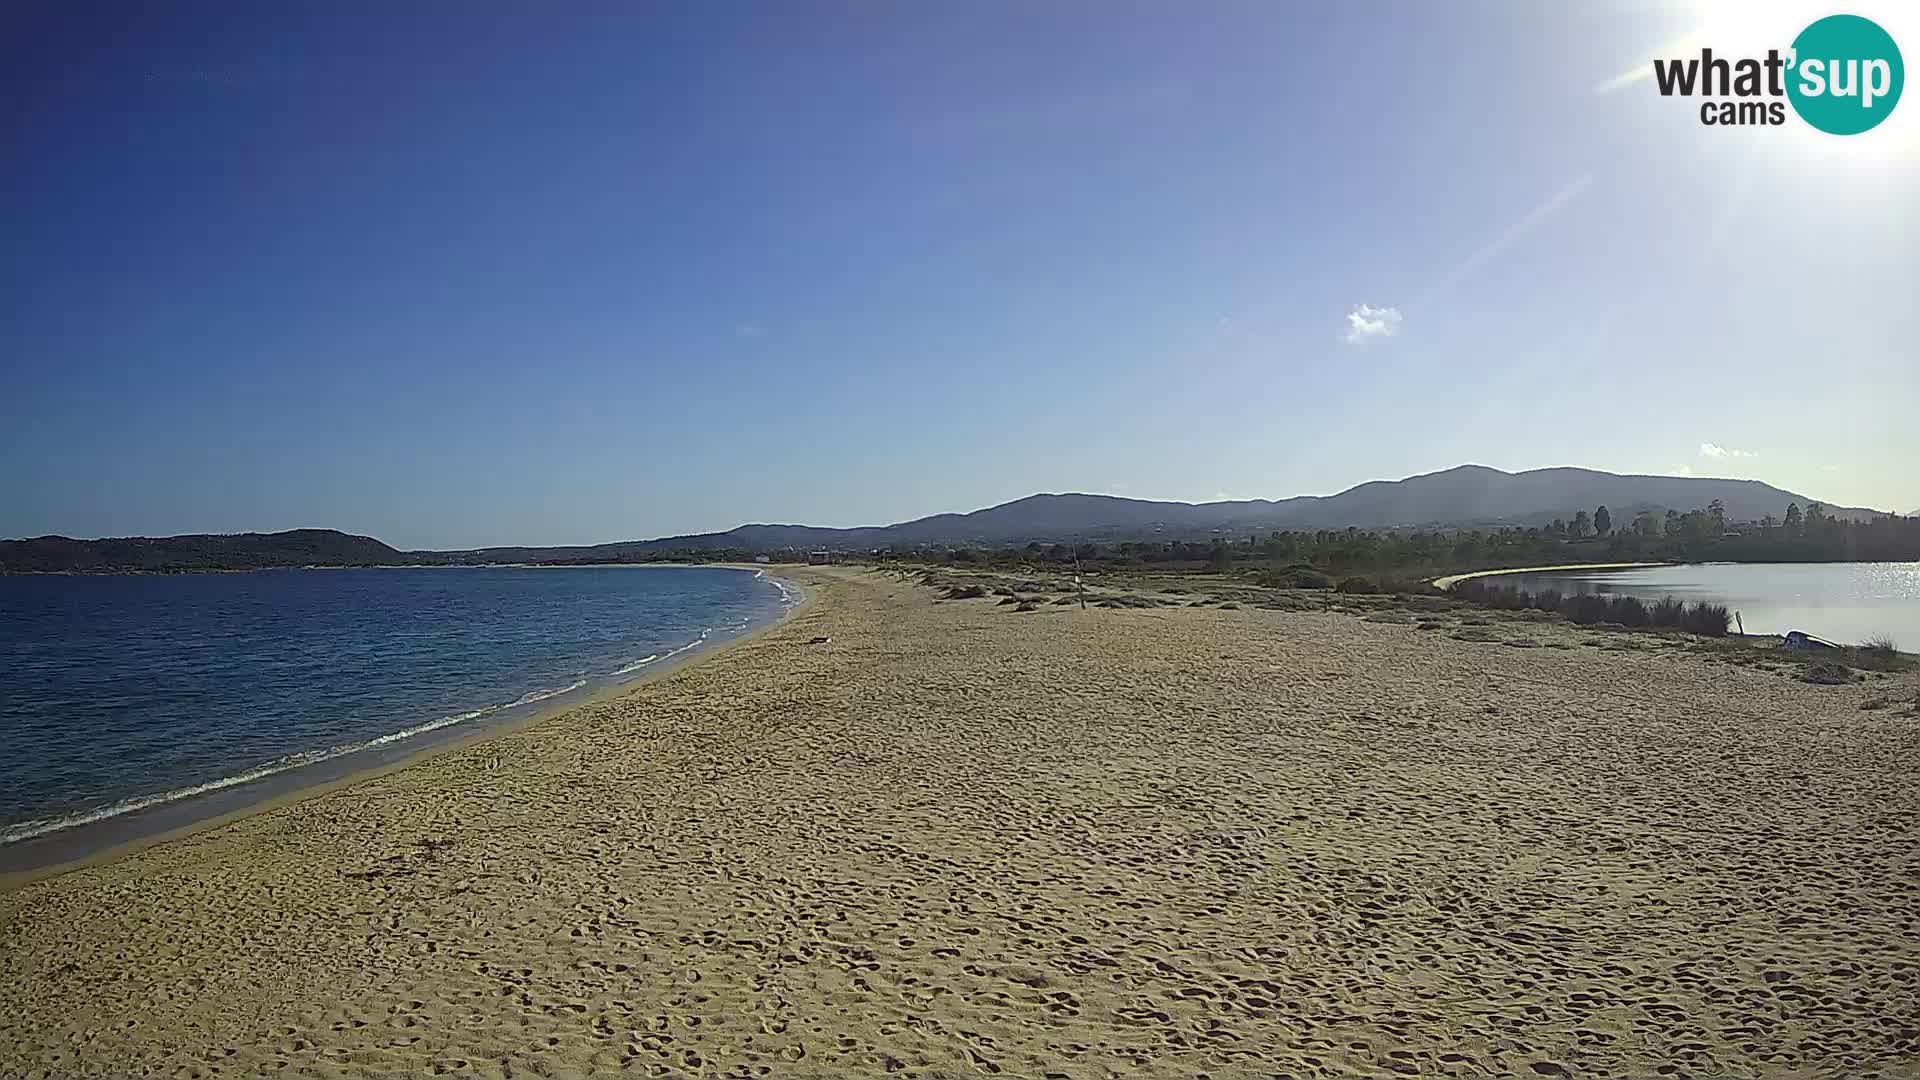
(1470, 495)
(1475, 494)
(239, 551)
(1463, 496)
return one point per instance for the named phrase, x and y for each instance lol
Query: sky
(460, 275)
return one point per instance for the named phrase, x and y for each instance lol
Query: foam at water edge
(27, 830)
(530, 697)
(789, 596)
(637, 664)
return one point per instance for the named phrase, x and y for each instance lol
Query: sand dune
(956, 840)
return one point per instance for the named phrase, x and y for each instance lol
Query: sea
(135, 704)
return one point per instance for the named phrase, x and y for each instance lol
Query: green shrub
(1668, 612)
(1628, 611)
(1586, 608)
(1710, 620)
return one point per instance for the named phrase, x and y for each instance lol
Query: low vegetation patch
(1295, 577)
(1828, 673)
(1879, 654)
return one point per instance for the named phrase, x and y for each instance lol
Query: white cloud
(1713, 450)
(1368, 323)
(1680, 470)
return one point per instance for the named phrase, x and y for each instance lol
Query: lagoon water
(135, 696)
(1843, 602)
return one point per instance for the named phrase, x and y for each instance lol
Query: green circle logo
(1846, 76)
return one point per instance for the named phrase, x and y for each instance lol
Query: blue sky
(468, 274)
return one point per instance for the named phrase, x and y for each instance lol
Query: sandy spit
(956, 840)
(1451, 580)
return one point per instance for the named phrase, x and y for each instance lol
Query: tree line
(1807, 534)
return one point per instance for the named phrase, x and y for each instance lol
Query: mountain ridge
(1462, 496)
(195, 551)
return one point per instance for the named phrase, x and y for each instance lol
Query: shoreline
(1450, 580)
(908, 836)
(163, 572)
(312, 779)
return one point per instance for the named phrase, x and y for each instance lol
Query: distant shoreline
(1451, 580)
(138, 572)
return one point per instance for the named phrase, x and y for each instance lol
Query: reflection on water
(1847, 602)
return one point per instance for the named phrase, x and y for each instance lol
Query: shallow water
(126, 695)
(1844, 602)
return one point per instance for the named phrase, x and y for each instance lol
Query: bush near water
(1711, 620)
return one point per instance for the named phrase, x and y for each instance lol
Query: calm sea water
(1844, 602)
(123, 696)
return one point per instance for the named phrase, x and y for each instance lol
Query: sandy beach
(957, 840)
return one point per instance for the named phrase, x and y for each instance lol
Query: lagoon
(1843, 602)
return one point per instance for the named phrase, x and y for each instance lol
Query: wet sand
(956, 840)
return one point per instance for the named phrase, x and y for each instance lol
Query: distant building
(819, 558)
(762, 559)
